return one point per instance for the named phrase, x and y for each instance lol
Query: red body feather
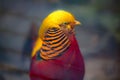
(68, 66)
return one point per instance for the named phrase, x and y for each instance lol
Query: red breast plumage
(69, 66)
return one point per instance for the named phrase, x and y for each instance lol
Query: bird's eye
(64, 24)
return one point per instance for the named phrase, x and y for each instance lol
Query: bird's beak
(77, 22)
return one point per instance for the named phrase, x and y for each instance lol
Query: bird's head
(58, 19)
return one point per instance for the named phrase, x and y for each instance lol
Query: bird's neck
(55, 43)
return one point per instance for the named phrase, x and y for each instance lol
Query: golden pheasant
(56, 54)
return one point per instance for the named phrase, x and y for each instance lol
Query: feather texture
(55, 43)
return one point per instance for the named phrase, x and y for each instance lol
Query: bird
(56, 54)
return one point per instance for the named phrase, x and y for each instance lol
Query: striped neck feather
(55, 43)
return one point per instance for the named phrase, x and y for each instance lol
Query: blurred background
(98, 36)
